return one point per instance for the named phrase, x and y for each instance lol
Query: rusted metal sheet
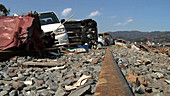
(111, 81)
(11, 29)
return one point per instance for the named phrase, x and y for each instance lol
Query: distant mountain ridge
(142, 36)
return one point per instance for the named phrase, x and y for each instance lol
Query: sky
(110, 15)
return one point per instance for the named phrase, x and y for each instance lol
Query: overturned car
(84, 31)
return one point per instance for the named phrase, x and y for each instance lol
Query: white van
(50, 22)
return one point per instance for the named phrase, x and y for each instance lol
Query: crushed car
(107, 37)
(50, 22)
(84, 31)
(121, 42)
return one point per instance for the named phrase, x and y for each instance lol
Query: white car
(49, 23)
(101, 41)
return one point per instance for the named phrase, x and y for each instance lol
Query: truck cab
(50, 22)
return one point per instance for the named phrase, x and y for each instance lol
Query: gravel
(18, 80)
(146, 72)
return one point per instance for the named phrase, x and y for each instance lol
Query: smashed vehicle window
(48, 18)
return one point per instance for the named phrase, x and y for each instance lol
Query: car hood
(51, 27)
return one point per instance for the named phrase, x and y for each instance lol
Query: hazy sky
(111, 15)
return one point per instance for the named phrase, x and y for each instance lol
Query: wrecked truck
(84, 31)
(49, 23)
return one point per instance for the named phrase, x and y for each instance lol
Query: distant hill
(138, 36)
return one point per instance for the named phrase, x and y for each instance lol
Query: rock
(13, 93)
(18, 85)
(159, 75)
(30, 82)
(155, 90)
(60, 92)
(70, 75)
(46, 92)
(166, 90)
(53, 88)
(3, 93)
(68, 81)
(159, 94)
(29, 88)
(12, 74)
(41, 87)
(7, 78)
(140, 89)
(97, 68)
(168, 81)
(143, 80)
(32, 93)
(94, 61)
(1, 76)
(49, 82)
(7, 88)
(154, 75)
(149, 90)
(93, 88)
(79, 91)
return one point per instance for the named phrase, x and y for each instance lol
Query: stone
(94, 61)
(32, 93)
(79, 91)
(97, 68)
(60, 92)
(93, 88)
(70, 75)
(46, 92)
(3, 93)
(18, 85)
(159, 75)
(29, 88)
(140, 89)
(159, 94)
(155, 90)
(49, 82)
(7, 88)
(68, 81)
(1, 76)
(12, 74)
(41, 87)
(168, 81)
(13, 93)
(166, 90)
(142, 80)
(148, 90)
(7, 78)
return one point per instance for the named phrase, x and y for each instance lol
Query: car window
(48, 18)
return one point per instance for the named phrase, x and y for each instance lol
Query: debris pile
(146, 72)
(71, 74)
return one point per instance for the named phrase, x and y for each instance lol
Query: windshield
(48, 18)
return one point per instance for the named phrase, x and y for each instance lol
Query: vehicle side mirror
(62, 20)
